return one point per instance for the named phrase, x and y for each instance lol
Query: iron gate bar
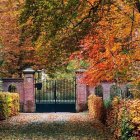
(75, 87)
(56, 95)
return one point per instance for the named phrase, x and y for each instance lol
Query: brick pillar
(29, 91)
(81, 92)
(106, 90)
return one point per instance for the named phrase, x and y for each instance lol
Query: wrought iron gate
(55, 95)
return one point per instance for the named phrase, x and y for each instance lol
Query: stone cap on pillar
(81, 71)
(28, 71)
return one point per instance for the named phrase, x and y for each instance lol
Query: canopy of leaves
(112, 46)
(14, 56)
(102, 33)
(56, 27)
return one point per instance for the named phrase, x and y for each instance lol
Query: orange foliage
(112, 46)
(16, 56)
(114, 116)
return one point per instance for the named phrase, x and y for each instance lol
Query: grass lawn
(54, 130)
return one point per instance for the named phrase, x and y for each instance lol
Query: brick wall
(18, 83)
(25, 88)
(83, 91)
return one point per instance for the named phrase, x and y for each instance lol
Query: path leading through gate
(53, 126)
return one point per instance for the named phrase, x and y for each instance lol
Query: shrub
(115, 91)
(12, 88)
(95, 106)
(135, 90)
(123, 118)
(9, 104)
(107, 103)
(126, 129)
(99, 91)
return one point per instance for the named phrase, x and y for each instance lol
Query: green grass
(56, 130)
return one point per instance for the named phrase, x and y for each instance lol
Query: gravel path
(52, 126)
(25, 118)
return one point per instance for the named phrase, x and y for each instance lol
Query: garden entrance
(55, 95)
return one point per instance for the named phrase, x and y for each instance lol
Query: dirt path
(54, 126)
(46, 117)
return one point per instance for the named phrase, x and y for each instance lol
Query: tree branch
(89, 3)
(93, 9)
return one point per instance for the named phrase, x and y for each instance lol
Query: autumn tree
(112, 46)
(56, 27)
(14, 56)
(101, 32)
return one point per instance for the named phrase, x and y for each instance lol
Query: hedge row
(9, 104)
(123, 118)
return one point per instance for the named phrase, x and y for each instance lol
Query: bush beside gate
(95, 106)
(9, 105)
(123, 119)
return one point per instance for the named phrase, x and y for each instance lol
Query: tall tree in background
(104, 30)
(56, 27)
(14, 55)
(103, 33)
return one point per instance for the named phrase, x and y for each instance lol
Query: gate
(55, 96)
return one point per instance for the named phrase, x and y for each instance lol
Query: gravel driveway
(25, 118)
(52, 126)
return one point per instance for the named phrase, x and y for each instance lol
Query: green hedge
(9, 104)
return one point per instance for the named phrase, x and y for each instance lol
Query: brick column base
(81, 92)
(29, 92)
